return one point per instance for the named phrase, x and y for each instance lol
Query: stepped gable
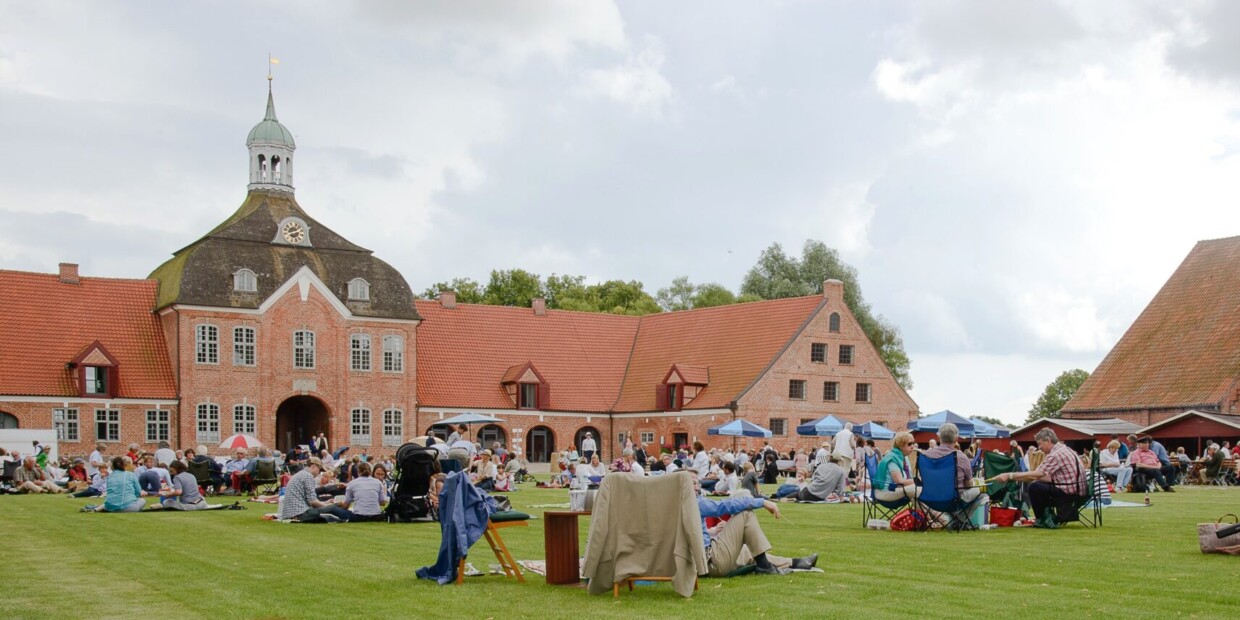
(1184, 348)
(465, 352)
(201, 273)
(48, 322)
(735, 343)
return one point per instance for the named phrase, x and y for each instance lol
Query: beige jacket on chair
(645, 526)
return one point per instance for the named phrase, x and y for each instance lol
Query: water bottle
(1147, 497)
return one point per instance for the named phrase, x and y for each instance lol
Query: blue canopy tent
(739, 428)
(931, 423)
(986, 430)
(468, 419)
(873, 430)
(822, 427)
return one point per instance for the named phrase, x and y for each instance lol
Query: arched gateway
(300, 418)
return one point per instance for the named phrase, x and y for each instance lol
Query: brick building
(1183, 351)
(273, 325)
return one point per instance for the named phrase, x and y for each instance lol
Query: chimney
(540, 306)
(833, 290)
(447, 299)
(69, 273)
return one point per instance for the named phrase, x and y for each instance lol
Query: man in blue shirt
(739, 541)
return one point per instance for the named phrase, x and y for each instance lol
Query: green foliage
(513, 287)
(467, 291)
(1057, 394)
(777, 275)
(988, 419)
(711, 295)
(683, 295)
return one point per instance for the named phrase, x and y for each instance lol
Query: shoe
(1169, 490)
(773, 570)
(805, 563)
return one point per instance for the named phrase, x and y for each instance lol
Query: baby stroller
(414, 467)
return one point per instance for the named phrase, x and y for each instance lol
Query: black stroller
(414, 467)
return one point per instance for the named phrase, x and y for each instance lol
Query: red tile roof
(599, 362)
(45, 323)
(465, 352)
(736, 343)
(1184, 349)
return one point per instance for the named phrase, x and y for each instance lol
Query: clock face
(293, 232)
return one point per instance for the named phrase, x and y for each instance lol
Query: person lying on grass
(740, 541)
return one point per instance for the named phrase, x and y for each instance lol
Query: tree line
(775, 275)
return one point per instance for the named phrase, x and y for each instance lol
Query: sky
(1013, 181)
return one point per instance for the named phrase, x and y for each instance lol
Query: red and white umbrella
(240, 441)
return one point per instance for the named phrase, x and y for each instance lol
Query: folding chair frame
(506, 561)
(874, 508)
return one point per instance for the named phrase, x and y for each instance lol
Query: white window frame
(359, 426)
(67, 422)
(158, 425)
(206, 344)
(303, 351)
(850, 350)
(359, 290)
(207, 423)
(111, 419)
(393, 427)
(245, 347)
(245, 420)
(782, 430)
(359, 352)
(245, 281)
(647, 437)
(393, 353)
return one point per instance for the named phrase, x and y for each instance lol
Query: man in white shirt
(843, 451)
(823, 452)
(95, 460)
(634, 468)
(588, 447)
(669, 465)
(728, 481)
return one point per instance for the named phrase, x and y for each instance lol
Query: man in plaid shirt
(302, 504)
(1059, 476)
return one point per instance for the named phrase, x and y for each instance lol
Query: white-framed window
(393, 427)
(244, 281)
(208, 423)
(107, 424)
(158, 425)
(846, 354)
(359, 289)
(393, 353)
(647, 437)
(65, 421)
(245, 420)
(831, 391)
(359, 352)
(207, 344)
(359, 427)
(243, 346)
(303, 349)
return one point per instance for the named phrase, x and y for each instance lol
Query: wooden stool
(615, 587)
(496, 541)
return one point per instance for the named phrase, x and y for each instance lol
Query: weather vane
(271, 61)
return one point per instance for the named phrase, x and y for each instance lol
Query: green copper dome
(269, 130)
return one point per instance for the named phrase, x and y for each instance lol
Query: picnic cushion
(509, 515)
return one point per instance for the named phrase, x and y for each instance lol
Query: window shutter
(660, 397)
(544, 396)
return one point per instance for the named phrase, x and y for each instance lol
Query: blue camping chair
(939, 492)
(875, 508)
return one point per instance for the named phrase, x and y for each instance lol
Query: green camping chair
(1006, 494)
(1085, 508)
(266, 479)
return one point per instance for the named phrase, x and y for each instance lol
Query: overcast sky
(1013, 180)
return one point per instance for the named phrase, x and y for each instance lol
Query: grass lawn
(1144, 562)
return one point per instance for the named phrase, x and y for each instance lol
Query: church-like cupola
(271, 151)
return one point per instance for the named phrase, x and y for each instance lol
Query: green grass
(231, 564)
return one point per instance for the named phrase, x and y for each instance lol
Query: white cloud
(637, 82)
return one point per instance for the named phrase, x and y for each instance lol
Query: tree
(563, 290)
(711, 295)
(989, 420)
(515, 287)
(1057, 394)
(776, 275)
(678, 296)
(619, 297)
(467, 291)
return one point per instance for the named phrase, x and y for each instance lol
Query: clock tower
(271, 151)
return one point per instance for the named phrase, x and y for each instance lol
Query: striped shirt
(1063, 469)
(298, 494)
(366, 496)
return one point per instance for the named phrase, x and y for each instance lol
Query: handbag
(908, 520)
(1207, 536)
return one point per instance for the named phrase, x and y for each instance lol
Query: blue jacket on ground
(464, 511)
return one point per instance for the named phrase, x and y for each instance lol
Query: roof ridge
(80, 278)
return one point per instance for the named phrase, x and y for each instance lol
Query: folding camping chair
(939, 492)
(1002, 493)
(498, 521)
(874, 508)
(1089, 506)
(266, 481)
(201, 471)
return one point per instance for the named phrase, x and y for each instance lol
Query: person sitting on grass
(183, 493)
(79, 479)
(151, 477)
(98, 483)
(792, 489)
(828, 479)
(30, 478)
(486, 472)
(301, 504)
(432, 494)
(1057, 479)
(749, 479)
(517, 465)
(379, 472)
(124, 494)
(739, 540)
(893, 479)
(728, 482)
(365, 496)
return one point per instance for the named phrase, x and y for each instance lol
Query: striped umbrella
(240, 441)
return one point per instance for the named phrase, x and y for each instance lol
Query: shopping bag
(1207, 536)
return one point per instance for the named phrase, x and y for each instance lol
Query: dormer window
(359, 290)
(95, 371)
(96, 380)
(244, 281)
(680, 386)
(526, 387)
